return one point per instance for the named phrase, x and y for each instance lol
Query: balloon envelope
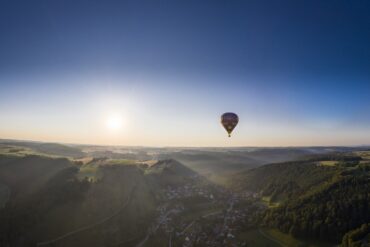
(229, 120)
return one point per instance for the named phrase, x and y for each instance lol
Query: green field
(267, 201)
(17, 151)
(365, 155)
(273, 237)
(122, 162)
(256, 238)
(328, 163)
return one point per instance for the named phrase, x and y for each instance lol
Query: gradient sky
(296, 72)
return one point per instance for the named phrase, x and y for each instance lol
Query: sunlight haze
(173, 79)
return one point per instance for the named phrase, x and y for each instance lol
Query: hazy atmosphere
(161, 73)
(184, 123)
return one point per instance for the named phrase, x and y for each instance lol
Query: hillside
(322, 197)
(283, 180)
(101, 201)
(218, 164)
(327, 214)
(170, 172)
(52, 149)
(26, 175)
(49, 199)
(54, 201)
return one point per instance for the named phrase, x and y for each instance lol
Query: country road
(212, 214)
(91, 226)
(188, 226)
(270, 238)
(231, 201)
(153, 229)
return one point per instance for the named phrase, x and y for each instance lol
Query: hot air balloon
(229, 120)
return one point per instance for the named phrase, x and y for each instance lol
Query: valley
(143, 197)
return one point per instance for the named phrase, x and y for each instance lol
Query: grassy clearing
(84, 160)
(328, 163)
(121, 162)
(284, 239)
(365, 155)
(275, 238)
(148, 162)
(255, 238)
(91, 172)
(267, 201)
(289, 241)
(16, 151)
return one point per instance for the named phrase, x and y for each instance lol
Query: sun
(114, 121)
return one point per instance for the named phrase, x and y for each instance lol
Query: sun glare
(114, 121)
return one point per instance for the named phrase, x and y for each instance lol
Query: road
(170, 241)
(91, 226)
(152, 229)
(270, 238)
(212, 214)
(144, 240)
(183, 231)
(231, 201)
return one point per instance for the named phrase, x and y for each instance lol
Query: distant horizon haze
(141, 73)
(185, 147)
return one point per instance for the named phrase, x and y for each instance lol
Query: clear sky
(160, 73)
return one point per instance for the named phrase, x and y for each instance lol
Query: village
(199, 214)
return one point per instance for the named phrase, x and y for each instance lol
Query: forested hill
(56, 201)
(318, 198)
(327, 214)
(47, 201)
(284, 180)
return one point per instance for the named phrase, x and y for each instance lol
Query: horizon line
(200, 147)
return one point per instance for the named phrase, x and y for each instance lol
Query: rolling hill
(311, 199)
(49, 200)
(53, 202)
(52, 149)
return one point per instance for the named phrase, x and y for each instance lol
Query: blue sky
(296, 72)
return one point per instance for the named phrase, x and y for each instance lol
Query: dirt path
(89, 227)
